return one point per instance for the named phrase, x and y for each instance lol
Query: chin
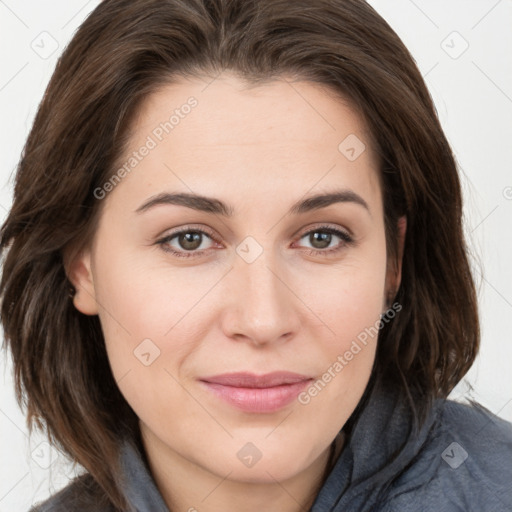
(262, 466)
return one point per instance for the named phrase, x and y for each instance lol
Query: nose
(261, 307)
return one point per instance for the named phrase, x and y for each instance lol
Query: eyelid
(191, 227)
(326, 227)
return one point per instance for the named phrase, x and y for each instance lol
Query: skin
(260, 150)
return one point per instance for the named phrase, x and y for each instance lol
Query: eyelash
(345, 237)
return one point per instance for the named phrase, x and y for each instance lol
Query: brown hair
(123, 51)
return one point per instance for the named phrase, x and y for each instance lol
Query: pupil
(190, 240)
(323, 238)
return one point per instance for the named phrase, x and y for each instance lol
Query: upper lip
(251, 380)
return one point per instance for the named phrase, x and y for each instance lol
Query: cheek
(348, 297)
(344, 356)
(152, 315)
(150, 292)
(349, 302)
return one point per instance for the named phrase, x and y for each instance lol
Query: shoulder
(465, 464)
(81, 495)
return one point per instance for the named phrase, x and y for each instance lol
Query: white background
(473, 95)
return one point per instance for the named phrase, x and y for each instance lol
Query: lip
(257, 393)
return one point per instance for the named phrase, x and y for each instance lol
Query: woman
(249, 220)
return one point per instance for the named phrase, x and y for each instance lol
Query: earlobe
(79, 273)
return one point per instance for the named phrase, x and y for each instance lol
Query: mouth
(257, 393)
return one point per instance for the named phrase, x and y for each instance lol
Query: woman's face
(262, 279)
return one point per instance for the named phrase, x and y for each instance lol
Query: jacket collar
(385, 438)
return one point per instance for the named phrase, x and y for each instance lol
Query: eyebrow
(216, 206)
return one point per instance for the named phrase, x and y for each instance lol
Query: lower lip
(259, 400)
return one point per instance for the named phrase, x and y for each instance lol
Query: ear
(394, 270)
(78, 270)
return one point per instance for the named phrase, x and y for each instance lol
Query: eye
(186, 243)
(323, 237)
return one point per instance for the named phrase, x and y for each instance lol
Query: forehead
(259, 112)
(212, 136)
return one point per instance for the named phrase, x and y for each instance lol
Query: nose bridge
(262, 308)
